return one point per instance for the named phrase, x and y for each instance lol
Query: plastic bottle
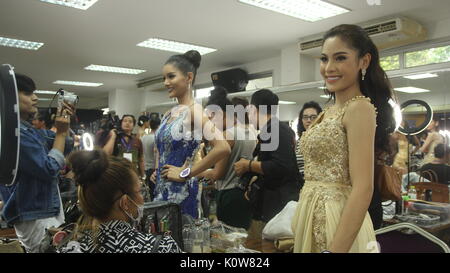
(206, 236)
(197, 238)
(187, 240)
(412, 193)
(405, 204)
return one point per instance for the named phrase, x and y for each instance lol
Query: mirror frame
(424, 125)
(9, 125)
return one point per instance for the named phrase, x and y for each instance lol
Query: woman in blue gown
(179, 136)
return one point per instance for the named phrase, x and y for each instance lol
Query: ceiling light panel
(20, 43)
(113, 69)
(308, 10)
(411, 90)
(78, 4)
(420, 76)
(286, 102)
(173, 46)
(89, 84)
(45, 92)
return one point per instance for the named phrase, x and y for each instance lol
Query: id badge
(128, 156)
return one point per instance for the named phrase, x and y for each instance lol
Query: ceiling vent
(385, 34)
(154, 83)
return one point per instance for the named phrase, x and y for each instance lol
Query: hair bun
(88, 166)
(194, 57)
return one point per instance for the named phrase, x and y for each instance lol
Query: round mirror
(9, 125)
(416, 116)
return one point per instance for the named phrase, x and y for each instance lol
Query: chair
(439, 192)
(392, 240)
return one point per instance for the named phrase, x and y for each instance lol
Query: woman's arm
(219, 169)
(220, 148)
(426, 146)
(109, 146)
(360, 123)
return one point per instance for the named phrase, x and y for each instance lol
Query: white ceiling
(107, 34)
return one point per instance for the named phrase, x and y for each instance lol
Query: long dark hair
(310, 104)
(376, 84)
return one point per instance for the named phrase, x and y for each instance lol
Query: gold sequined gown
(327, 187)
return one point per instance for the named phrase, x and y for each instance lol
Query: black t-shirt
(442, 171)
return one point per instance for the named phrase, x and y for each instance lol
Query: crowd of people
(328, 170)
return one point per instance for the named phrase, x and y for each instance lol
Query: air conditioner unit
(155, 83)
(386, 34)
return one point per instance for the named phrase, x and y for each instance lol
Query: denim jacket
(35, 193)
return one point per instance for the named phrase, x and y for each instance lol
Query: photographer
(127, 145)
(33, 202)
(276, 168)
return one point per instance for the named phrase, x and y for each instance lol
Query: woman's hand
(153, 177)
(172, 173)
(62, 123)
(241, 166)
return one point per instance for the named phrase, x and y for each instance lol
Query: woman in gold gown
(339, 147)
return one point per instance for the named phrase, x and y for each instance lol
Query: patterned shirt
(120, 237)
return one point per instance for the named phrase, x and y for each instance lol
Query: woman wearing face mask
(341, 146)
(179, 135)
(110, 193)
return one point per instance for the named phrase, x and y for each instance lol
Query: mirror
(416, 116)
(9, 125)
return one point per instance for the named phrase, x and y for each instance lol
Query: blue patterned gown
(176, 144)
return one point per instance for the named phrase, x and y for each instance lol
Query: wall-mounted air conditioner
(386, 34)
(153, 84)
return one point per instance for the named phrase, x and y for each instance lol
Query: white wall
(289, 67)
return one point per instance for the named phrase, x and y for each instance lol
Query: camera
(67, 97)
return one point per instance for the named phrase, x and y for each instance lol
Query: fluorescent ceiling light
(203, 92)
(286, 102)
(412, 90)
(90, 84)
(45, 92)
(173, 46)
(308, 10)
(78, 4)
(325, 96)
(20, 43)
(322, 87)
(105, 111)
(113, 69)
(421, 76)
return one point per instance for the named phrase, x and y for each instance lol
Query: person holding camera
(127, 145)
(33, 203)
(276, 168)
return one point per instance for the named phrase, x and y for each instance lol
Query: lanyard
(127, 145)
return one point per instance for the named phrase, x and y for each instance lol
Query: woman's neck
(186, 99)
(345, 95)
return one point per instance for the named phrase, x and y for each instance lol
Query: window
(390, 62)
(428, 56)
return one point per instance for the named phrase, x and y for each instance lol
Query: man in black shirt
(276, 167)
(439, 166)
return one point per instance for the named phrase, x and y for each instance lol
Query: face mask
(140, 213)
